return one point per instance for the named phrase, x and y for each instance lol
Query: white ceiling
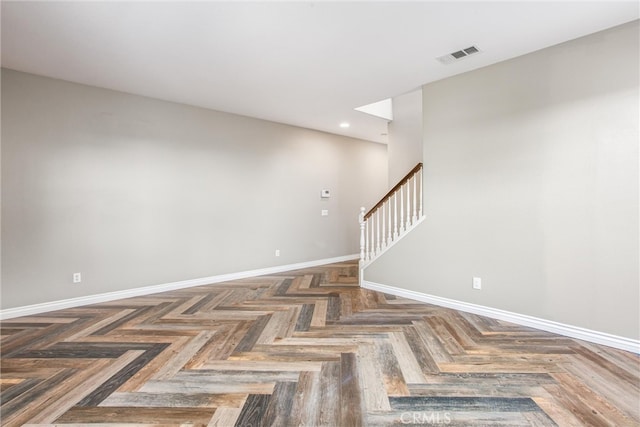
(302, 63)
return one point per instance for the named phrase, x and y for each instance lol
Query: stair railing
(392, 217)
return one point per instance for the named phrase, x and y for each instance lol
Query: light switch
(325, 194)
(324, 212)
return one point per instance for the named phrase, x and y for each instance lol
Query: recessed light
(344, 125)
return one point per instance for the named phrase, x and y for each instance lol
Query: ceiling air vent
(458, 55)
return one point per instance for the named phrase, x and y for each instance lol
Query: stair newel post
(362, 238)
(395, 215)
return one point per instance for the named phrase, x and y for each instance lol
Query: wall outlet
(477, 283)
(324, 212)
(77, 277)
(277, 252)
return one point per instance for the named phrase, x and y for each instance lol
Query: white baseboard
(520, 319)
(28, 310)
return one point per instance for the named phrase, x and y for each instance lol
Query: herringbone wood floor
(307, 347)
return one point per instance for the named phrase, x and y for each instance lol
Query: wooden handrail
(406, 178)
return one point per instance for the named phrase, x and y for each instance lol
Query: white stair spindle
(373, 240)
(366, 240)
(395, 215)
(378, 231)
(408, 187)
(420, 192)
(415, 198)
(384, 223)
(372, 220)
(362, 239)
(389, 235)
(401, 209)
(370, 231)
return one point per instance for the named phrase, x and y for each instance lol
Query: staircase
(392, 217)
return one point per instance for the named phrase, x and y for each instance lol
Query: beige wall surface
(531, 183)
(132, 191)
(405, 135)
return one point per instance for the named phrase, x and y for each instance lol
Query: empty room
(229, 213)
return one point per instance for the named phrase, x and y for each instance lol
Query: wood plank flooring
(306, 347)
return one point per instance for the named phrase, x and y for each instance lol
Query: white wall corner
(29, 310)
(571, 331)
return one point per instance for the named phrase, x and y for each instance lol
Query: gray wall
(531, 183)
(405, 135)
(133, 191)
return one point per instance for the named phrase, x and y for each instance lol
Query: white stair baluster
(378, 231)
(401, 210)
(372, 220)
(408, 187)
(395, 215)
(389, 222)
(384, 223)
(373, 240)
(420, 192)
(415, 198)
(362, 239)
(366, 240)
